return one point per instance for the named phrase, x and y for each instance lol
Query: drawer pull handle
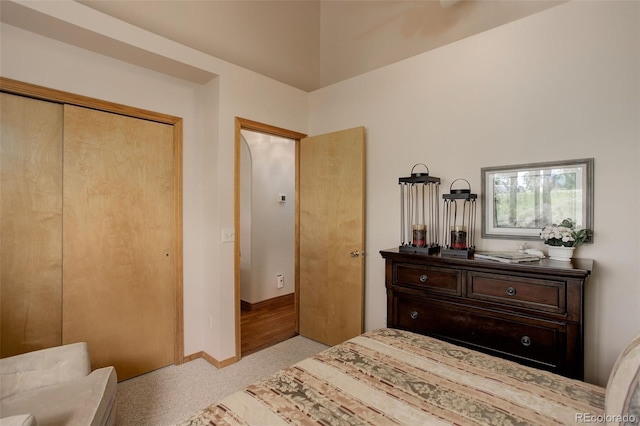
(414, 314)
(423, 278)
(525, 340)
(511, 291)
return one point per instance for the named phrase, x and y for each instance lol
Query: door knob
(355, 253)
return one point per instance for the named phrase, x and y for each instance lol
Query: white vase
(563, 254)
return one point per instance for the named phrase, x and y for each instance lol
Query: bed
(391, 377)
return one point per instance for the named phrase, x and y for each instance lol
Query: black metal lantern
(419, 212)
(459, 222)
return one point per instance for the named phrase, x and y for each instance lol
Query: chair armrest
(19, 420)
(42, 368)
(87, 401)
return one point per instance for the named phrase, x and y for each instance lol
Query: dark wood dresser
(531, 313)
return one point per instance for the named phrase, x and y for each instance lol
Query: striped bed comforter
(391, 377)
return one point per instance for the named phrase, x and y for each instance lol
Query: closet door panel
(118, 236)
(30, 224)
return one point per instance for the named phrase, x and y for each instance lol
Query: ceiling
(310, 44)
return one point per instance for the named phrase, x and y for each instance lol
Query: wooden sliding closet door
(118, 238)
(30, 224)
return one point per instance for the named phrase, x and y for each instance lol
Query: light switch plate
(228, 235)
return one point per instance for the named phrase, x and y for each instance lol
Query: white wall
(272, 224)
(561, 84)
(208, 111)
(246, 184)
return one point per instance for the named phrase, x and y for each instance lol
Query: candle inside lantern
(459, 237)
(419, 235)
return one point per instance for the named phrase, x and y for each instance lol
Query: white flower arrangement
(564, 235)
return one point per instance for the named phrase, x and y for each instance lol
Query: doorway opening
(266, 235)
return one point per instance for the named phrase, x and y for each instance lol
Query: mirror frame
(489, 230)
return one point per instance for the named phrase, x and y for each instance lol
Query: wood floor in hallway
(267, 324)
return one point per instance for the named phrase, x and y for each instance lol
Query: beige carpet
(173, 393)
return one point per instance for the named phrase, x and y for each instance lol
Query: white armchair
(56, 386)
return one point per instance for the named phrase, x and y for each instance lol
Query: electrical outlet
(279, 281)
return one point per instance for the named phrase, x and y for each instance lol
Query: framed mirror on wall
(519, 200)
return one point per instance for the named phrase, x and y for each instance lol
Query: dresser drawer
(541, 295)
(429, 278)
(540, 344)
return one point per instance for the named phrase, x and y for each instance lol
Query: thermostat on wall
(282, 198)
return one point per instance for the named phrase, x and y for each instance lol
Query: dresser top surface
(576, 267)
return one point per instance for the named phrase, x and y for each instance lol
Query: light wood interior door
(331, 235)
(30, 224)
(118, 237)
